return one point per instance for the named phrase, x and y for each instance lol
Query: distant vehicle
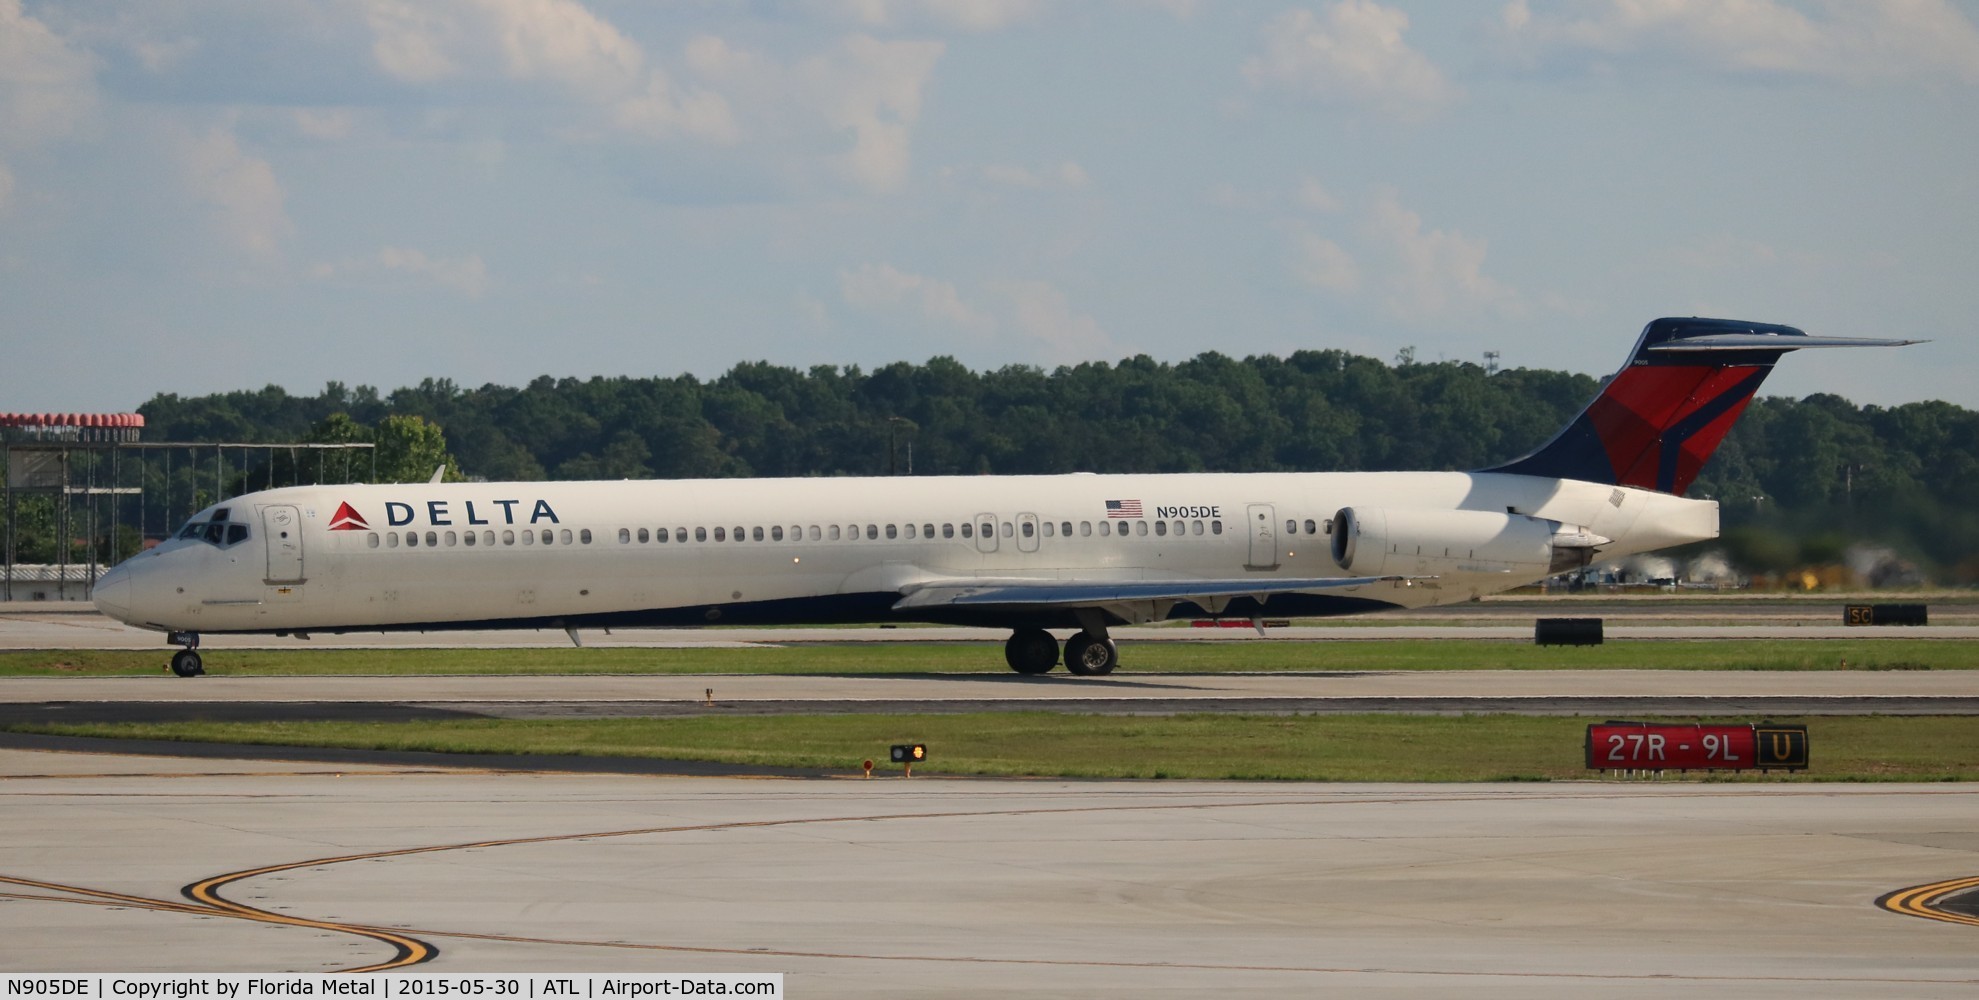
(1026, 553)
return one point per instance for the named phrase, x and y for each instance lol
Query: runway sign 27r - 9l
(1645, 746)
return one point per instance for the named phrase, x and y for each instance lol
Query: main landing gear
(1034, 651)
(186, 662)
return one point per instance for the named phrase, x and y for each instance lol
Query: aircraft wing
(1211, 594)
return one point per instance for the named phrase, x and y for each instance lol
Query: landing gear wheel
(1031, 651)
(186, 663)
(1090, 657)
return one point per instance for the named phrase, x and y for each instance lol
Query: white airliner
(1027, 553)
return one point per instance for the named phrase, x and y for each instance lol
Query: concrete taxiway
(928, 887)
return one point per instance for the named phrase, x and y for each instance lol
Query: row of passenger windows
(436, 539)
(873, 532)
(797, 532)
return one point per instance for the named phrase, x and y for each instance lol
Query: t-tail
(1658, 420)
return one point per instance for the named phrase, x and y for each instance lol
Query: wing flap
(1094, 593)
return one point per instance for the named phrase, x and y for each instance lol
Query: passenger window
(1065, 528)
(548, 537)
(739, 536)
(488, 537)
(815, 534)
(1105, 529)
(680, 534)
(968, 529)
(988, 529)
(1006, 529)
(721, 534)
(371, 540)
(528, 538)
(1161, 527)
(1048, 529)
(1195, 527)
(1216, 527)
(468, 537)
(1291, 527)
(948, 529)
(1030, 530)
(1086, 529)
(582, 536)
(1311, 528)
(625, 536)
(756, 534)
(432, 539)
(1329, 525)
(927, 531)
(776, 532)
(508, 536)
(412, 539)
(644, 535)
(1181, 527)
(834, 532)
(701, 534)
(391, 539)
(873, 531)
(451, 539)
(892, 531)
(1140, 528)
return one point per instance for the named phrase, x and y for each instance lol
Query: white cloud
(964, 15)
(661, 111)
(871, 89)
(1857, 40)
(559, 41)
(1034, 310)
(46, 86)
(1313, 195)
(1042, 313)
(1431, 274)
(466, 275)
(1322, 263)
(879, 287)
(1355, 56)
(240, 187)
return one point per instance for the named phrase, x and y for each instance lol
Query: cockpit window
(215, 529)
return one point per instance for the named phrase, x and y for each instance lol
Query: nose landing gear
(186, 662)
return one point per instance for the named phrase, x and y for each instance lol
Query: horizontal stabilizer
(1770, 342)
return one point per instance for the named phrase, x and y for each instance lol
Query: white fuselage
(580, 554)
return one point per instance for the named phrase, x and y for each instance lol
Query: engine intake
(1377, 541)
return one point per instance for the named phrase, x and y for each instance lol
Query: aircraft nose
(113, 593)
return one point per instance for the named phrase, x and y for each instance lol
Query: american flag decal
(1123, 508)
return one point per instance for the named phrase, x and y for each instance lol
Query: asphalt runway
(977, 888)
(78, 626)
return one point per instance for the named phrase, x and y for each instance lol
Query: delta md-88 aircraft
(1026, 553)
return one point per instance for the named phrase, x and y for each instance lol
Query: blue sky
(207, 195)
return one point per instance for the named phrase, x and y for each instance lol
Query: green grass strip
(1205, 746)
(1275, 655)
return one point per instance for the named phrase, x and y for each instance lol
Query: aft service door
(281, 528)
(1264, 540)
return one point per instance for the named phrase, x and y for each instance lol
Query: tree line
(1797, 479)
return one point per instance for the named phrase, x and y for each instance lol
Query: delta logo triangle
(348, 519)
